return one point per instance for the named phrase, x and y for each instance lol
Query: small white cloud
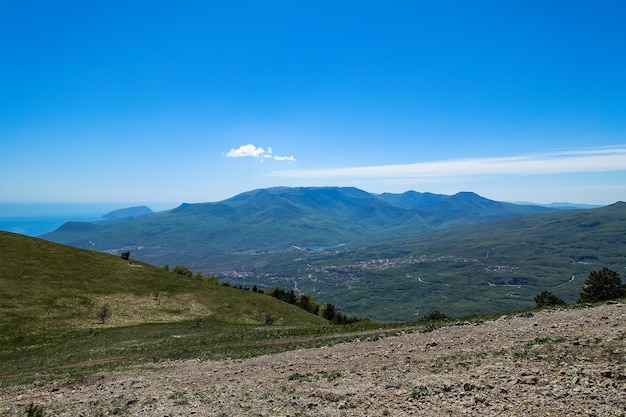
(253, 151)
(246, 150)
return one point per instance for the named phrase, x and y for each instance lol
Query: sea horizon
(36, 219)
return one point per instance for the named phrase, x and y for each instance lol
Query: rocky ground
(553, 363)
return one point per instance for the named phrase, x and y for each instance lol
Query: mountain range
(281, 217)
(389, 257)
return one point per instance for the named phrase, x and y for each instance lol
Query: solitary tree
(547, 299)
(104, 313)
(602, 285)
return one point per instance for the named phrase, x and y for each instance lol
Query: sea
(36, 219)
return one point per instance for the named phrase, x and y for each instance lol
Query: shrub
(435, 315)
(268, 318)
(602, 285)
(183, 270)
(547, 299)
(420, 391)
(34, 411)
(431, 327)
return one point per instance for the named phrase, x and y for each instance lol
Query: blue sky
(160, 103)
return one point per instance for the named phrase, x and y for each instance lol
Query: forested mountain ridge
(281, 217)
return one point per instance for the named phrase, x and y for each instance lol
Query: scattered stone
(468, 386)
(468, 370)
(528, 379)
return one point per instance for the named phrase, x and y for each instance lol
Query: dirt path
(554, 363)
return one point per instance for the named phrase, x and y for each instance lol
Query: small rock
(606, 383)
(480, 400)
(528, 379)
(607, 373)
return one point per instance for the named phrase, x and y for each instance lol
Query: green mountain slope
(45, 286)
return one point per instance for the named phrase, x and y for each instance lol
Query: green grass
(77, 353)
(46, 287)
(50, 296)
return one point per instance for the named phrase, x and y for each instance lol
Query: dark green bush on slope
(602, 285)
(547, 299)
(434, 315)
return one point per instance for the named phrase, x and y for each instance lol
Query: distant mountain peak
(618, 205)
(128, 212)
(469, 194)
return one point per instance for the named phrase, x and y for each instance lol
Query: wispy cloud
(574, 161)
(253, 151)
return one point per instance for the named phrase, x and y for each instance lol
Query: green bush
(547, 299)
(435, 315)
(602, 285)
(183, 270)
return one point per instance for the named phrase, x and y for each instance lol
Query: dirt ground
(553, 363)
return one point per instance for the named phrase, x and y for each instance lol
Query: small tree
(328, 311)
(104, 314)
(602, 285)
(547, 299)
(306, 303)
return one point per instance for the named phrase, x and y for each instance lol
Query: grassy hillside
(46, 286)
(50, 295)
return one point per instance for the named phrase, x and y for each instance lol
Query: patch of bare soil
(553, 363)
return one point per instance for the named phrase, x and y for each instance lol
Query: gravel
(564, 362)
